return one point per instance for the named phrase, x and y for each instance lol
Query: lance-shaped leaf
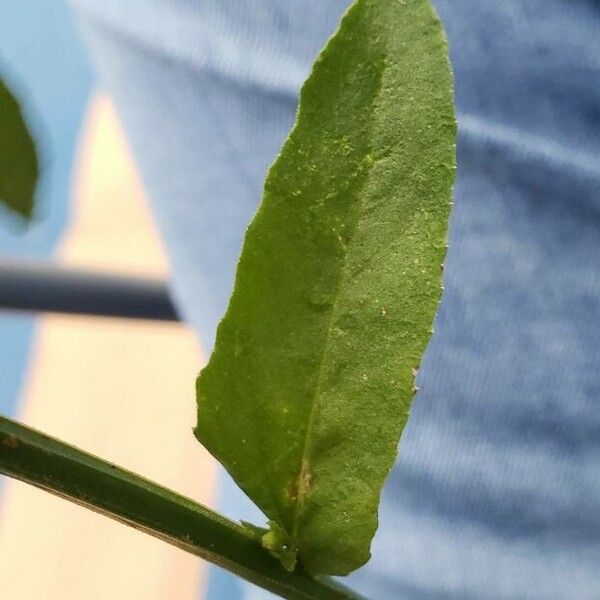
(18, 159)
(311, 379)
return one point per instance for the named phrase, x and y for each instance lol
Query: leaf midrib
(314, 403)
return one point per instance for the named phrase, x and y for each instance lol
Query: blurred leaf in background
(19, 166)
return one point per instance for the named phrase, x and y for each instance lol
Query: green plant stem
(56, 467)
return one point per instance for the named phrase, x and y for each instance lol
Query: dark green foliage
(19, 168)
(312, 376)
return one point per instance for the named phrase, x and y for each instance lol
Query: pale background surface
(118, 388)
(43, 60)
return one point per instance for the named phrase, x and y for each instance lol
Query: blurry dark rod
(46, 287)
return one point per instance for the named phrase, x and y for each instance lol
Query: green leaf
(312, 376)
(18, 159)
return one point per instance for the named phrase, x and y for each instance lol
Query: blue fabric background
(496, 494)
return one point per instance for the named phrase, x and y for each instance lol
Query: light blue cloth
(496, 494)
